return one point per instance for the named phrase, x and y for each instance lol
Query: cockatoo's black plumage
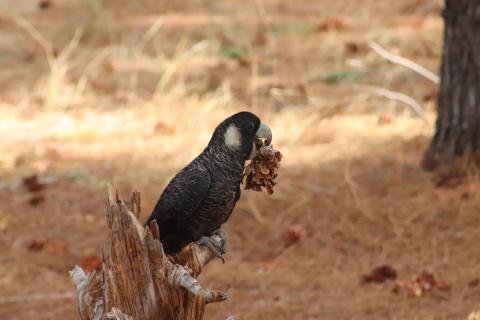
(201, 197)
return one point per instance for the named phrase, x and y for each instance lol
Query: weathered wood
(137, 280)
(458, 122)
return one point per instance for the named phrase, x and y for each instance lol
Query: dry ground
(130, 91)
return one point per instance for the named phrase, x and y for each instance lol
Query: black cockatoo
(201, 197)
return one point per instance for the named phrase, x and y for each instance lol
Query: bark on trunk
(137, 280)
(458, 122)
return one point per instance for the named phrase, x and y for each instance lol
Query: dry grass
(130, 92)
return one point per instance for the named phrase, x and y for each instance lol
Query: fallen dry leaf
(380, 274)
(163, 128)
(353, 47)
(384, 119)
(36, 200)
(244, 61)
(32, 183)
(49, 245)
(44, 4)
(293, 234)
(261, 172)
(465, 196)
(419, 285)
(430, 95)
(474, 283)
(35, 245)
(332, 24)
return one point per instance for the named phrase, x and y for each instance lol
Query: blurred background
(130, 91)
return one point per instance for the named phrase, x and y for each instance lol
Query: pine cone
(262, 171)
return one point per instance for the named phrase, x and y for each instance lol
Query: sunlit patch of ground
(130, 92)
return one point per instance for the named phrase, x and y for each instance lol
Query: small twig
(398, 96)
(70, 47)
(150, 33)
(424, 72)
(37, 36)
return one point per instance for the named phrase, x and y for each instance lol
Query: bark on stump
(138, 281)
(458, 123)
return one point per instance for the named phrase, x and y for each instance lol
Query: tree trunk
(138, 281)
(458, 122)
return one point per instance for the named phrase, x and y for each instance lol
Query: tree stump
(137, 280)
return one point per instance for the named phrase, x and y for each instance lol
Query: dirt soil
(130, 91)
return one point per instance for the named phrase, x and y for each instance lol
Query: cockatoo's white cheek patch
(233, 138)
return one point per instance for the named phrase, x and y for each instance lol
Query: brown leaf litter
(421, 284)
(380, 274)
